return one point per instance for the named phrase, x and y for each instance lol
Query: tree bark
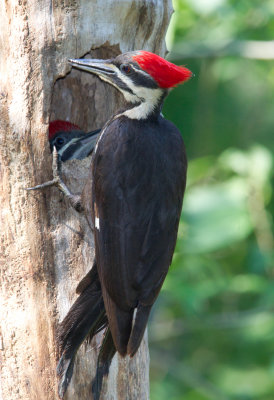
(46, 247)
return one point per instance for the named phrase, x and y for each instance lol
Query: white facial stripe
(139, 71)
(104, 78)
(132, 98)
(148, 97)
(64, 148)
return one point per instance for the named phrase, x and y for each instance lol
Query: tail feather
(81, 318)
(89, 315)
(138, 329)
(120, 323)
(86, 317)
(65, 371)
(89, 278)
(106, 354)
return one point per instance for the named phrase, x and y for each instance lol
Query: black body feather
(137, 182)
(139, 175)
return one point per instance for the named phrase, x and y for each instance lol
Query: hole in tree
(82, 98)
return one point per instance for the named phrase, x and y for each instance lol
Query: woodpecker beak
(98, 67)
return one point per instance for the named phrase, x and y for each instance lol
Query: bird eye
(125, 68)
(60, 141)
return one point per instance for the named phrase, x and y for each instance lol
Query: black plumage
(132, 200)
(139, 173)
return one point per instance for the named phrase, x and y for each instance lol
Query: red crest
(60, 126)
(166, 74)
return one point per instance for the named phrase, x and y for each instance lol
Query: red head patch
(166, 74)
(60, 126)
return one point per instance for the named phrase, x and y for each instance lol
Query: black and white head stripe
(137, 86)
(133, 71)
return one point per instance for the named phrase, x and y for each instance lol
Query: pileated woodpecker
(133, 198)
(70, 141)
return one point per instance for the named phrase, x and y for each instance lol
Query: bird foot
(75, 200)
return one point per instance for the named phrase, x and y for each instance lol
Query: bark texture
(46, 247)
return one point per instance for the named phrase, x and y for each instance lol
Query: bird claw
(57, 181)
(53, 182)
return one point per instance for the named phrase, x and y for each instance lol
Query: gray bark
(46, 247)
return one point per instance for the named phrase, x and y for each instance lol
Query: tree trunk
(45, 245)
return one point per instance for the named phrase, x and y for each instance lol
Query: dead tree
(46, 247)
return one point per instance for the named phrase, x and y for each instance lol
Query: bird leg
(74, 199)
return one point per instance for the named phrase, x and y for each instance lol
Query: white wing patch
(97, 220)
(97, 223)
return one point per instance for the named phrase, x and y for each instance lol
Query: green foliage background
(212, 330)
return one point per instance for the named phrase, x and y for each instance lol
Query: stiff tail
(127, 327)
(106, 354)
(120, 323)
(138, 329)
(86, 317)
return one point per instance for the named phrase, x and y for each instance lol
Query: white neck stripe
(139, 112)
(147, 106)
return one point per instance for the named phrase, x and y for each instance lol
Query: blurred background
(212, 330)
